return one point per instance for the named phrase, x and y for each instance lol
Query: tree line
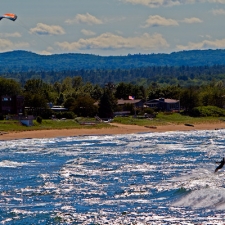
(173, 75)
(88, 99)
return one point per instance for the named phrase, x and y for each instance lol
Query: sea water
(145, 178)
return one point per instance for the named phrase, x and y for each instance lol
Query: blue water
(146, 178)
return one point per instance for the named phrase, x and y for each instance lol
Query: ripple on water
(148, 178)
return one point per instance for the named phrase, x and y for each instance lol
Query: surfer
(221, 165)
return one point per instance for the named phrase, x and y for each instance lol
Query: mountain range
(24, 61)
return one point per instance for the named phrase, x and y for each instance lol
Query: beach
(115, 129)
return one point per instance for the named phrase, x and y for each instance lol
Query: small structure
(164, 104)
(24, 120)
(58, 108)
(122, 113)
(27, 121)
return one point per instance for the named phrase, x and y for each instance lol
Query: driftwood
(153, 127)
(188, 124)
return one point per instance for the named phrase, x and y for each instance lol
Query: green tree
(9, 87)
(84, 106)
(34, 86)
(96, 92)
(60, 100)
(67, 85)
(76, 82)
(189, 98)
(107, 104)
(35, 101)
(57, 87)
(36, 93)
(69, 103)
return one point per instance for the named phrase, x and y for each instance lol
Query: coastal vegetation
(14, 125)
(90, 123)
(85, 99)
(89, 85)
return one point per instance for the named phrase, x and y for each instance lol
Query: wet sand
(115, 129)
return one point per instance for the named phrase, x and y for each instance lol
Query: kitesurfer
(221, 165)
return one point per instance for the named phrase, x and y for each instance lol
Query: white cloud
(6, 35)
(217, 1)
(158, 3)
(85, 18)
(45, 53)
(205, 44)
(48, 51)
(87, 32)
(192, 20)
(218, 12)
(44, 29)
(6, 45)
(154, 21)
(111, 41)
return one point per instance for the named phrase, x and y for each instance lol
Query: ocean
(144, 178)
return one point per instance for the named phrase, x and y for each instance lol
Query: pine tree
(107, 104)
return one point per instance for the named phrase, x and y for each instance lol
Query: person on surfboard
(221, 165)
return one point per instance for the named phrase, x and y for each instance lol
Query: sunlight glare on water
(146, 178)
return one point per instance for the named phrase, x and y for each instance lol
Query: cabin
(164, 104)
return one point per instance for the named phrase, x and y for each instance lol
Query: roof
(166, 100)
(122, 101)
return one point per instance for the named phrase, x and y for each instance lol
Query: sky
(112, 27)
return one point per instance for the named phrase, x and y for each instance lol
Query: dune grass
(11, 125)
(166, 118)
(161, 119)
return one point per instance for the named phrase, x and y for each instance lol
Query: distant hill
(23, 61)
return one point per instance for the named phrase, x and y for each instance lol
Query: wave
(205, 198)
(12, 164)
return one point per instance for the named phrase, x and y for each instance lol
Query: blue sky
(112, 27)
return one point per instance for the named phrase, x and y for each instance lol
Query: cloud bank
(6, 45)
(205, 44)
(111, 41)
(167, 3)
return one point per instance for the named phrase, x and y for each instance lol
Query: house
(122, 104)
(11, 104)
(164, 104)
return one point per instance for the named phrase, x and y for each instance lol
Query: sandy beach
(115, 129)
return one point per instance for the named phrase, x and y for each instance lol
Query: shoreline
(116, 129)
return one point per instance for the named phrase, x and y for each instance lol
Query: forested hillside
(183, 68)
(183, 76)
(22, 61)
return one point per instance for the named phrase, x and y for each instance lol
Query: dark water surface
(146, 178)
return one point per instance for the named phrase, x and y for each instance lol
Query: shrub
(204, 111)
(39, 119)
(67, 115)
(1, 117)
